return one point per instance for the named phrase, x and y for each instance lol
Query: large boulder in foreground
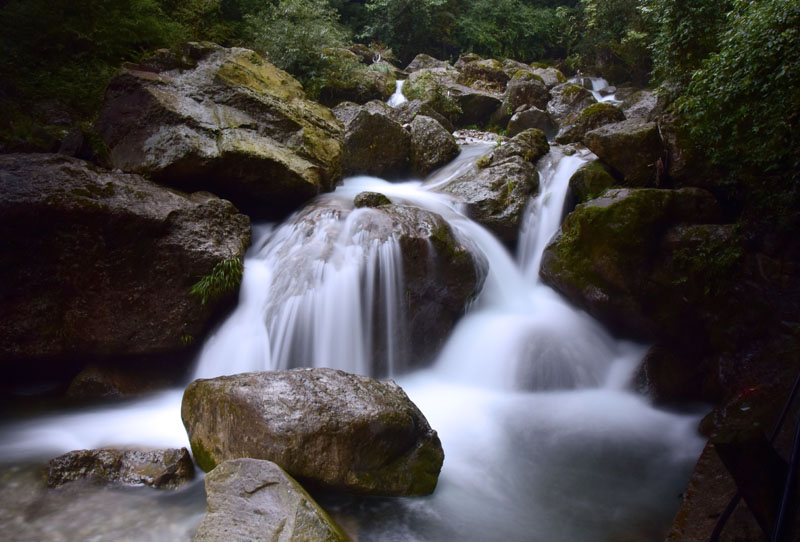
(163, 469)
(606, 259)
(374, 143)
(225, 120)
(252, 499)
(431, 145)
(97, 264)
(632, 147)
(497, 188)
(324, 427)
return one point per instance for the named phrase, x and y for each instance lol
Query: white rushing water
(543, 439)
(398, 98)
(600, 88)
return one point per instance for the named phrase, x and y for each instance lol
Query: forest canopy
(732, 65)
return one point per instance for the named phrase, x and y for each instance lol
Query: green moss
(540, 65)
(571, 91)
(202, 457)
(601, 108)
(483, 162)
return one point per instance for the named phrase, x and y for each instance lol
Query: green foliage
(410, 27)
(293, 34)
(224, 278)
(743, 104)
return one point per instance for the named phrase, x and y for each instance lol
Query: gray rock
(371, 199)
(374, 143)
(226, 120)
(575, 126)
(252, 499)
(632, 147)
(163, 469)
(431, 145)
(324, 427)
(406, 112)
(526, 88)
(551, 76)
(497, 188)
(531, 118)
(568, 99)
(423, 61)
(642, 104)
(100, 264)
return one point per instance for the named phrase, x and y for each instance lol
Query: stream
(544, 440)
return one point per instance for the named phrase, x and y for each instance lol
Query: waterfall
(543, 439)
(601, 90)
(398, 98)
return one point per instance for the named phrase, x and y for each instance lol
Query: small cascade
(398, 98)
(599, 87)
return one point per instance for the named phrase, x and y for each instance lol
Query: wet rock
(603, 260)
(347, 80)
(574, 128)
(324, 427)
(497, 188)
(431, 145)
(531, 118)
(371, 199)
(642, 104)
(511, 67)
(99, 264)
(406, 112)
(209, 118)
(163, 469)
(252, 499)
(631, 147)
(568, 99)
(118, 380)
(550, 76)
(374, 143)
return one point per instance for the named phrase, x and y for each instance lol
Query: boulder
(568, 99)
(374, 143)
(346, 79)
(497, 188)
(324, 427)
(511, 67)
(163, 469)
(483, 75)
(589, 182)
(633, 148)
(423, 62)
(209, 118)
(642, 104)
(100, 264)
(550, 76)
(531, 118)
(114, 379)
(574, 128)
(371, 199)
(461, 104)
(526, 88)
(252, 499)
(605, 260)
(406, 112)
(431, 145)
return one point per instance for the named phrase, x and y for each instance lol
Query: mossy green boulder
(347, 79)
(575, 126)
(567, 99)
(590, 181)
(604, 258)
(326, 428)
(225, 120)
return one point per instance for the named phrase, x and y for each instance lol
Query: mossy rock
(568, 99)
(371, 199)
(590, 181)
(346, 78)
(631, 147)
(596, 115)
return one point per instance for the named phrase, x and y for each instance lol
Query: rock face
(550, 76)
(163, 469)
(98, 264)
(431, 145)
(590, 181)
(526, 88)
(251, 499)
(322, 426)
(576, 125)
(568, 99)
(631, 147)
(374, 143)
(423, 62)
(485, 74)
(224, 120)
(642, 104)
(497, 188)
(603, 259)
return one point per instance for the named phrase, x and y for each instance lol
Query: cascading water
(601, 90)
(398, 98)
(542, 439)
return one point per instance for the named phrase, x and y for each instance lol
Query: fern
(224, 278)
